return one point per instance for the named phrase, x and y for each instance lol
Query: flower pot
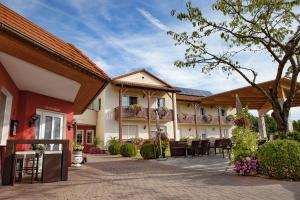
(77, 158)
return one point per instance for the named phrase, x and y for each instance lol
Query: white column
(261, 122)
(262, 126)
(290, 121)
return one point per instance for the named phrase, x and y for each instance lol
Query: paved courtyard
(108, 177)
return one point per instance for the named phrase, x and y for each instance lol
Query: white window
(129, 131)
(5, 112)
(161, 102)
(129, 100)
(51, 127)
(89, 136)
(225, 133)
(203, 134)
(79, 136)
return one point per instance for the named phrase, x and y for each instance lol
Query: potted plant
(77, 157)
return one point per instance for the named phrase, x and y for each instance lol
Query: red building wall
(25, 105)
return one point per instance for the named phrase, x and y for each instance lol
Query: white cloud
(153, 20)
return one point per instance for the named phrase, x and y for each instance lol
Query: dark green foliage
(294, 136)
(114, 148)
(280, 159)
(128, 150)
(296, 125)
(270, 125)
(148, 151)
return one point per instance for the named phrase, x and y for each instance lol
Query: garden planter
(77, 158)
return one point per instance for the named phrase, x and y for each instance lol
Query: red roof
(21, 25)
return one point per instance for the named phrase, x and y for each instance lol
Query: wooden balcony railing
(128, 113)
(164, 115)
(186, 118)
(142, 114)
(201, 120)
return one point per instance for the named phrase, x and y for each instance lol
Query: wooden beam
(174, 117)
(219, 121)
(149, 114)
(120, 113)
(195, 111)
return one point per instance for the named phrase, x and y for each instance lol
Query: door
(51, 128)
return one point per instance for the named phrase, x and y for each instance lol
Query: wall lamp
(32, 120)
(72, 124)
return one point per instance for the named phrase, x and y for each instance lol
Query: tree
(266, 26)
(296, 125)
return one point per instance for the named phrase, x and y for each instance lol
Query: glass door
(51, 128)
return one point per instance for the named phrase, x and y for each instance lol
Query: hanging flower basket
(135, 109)
(229, 118)
(163, 111)
(207, 118)
(182, 116)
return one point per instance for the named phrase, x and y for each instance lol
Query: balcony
(186, 119)
(203, 120)
(142, 114)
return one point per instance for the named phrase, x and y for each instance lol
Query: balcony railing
(203, 120)
(186, 119)
(142, 114)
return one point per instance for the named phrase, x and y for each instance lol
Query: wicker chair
(217, 145)
(226, 144)
(204, 147)
(195, 148)
(178, 149)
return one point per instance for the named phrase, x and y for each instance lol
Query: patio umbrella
(238, 104)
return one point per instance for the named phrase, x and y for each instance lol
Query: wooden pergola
(252, 99)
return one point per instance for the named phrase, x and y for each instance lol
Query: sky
(121, 36)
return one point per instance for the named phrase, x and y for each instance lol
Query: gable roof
(19, 26)
(167, 86)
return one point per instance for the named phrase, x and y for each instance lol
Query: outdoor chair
(204, 147)
(195, 147)
(178, 149)
(226, 146)
(24, 161)
(217, 145)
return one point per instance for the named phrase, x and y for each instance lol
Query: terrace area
(111, 177)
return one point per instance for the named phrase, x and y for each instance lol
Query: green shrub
(294, 136)
(148, 151)
(128, 150)
(280, 159)
(114, 148)
(183, 139)
(245, 143)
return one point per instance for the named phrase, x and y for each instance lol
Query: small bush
(128, 150)
(148, 151)
(280, 159)
(245, 142)
(114, 148)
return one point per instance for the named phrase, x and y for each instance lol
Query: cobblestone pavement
(108, 177)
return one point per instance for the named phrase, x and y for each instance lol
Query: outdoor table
(11, 149)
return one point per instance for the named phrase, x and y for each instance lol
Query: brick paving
(108, 177)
